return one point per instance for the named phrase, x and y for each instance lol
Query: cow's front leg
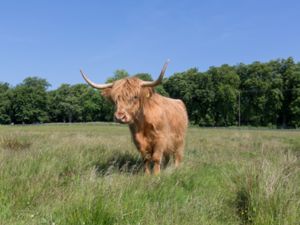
(147, 160)
(147, 166)
(156, 158)
(143, 147)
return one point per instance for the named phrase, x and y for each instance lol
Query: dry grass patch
(15, 143)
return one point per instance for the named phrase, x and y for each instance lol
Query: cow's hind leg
(166, 160)
(178, 155)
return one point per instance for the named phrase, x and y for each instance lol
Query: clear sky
(53, 39)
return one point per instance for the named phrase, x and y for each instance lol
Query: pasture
(92, 174)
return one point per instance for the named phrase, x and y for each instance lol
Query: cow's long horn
(159, 79)
(94, 85)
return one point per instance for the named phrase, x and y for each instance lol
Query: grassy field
(92, 174)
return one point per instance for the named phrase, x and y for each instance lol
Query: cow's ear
(147, 92)
(106, 93)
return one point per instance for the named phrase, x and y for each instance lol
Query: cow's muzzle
(121, 117)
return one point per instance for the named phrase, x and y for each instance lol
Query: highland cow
(157, 124)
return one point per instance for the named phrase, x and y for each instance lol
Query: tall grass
(92, 174)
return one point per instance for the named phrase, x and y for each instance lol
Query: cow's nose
(120, 116)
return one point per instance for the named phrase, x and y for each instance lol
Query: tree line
(256, 94)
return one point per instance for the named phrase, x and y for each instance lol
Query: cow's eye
(134, 98)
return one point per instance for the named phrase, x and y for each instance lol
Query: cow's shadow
(120, 163)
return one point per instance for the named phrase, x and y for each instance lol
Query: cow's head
(128, 94)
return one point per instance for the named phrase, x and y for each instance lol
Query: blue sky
(54, 39)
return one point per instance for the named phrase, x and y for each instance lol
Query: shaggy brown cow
(158, 124)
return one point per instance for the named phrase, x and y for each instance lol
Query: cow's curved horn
(94, 85)
(159, 79)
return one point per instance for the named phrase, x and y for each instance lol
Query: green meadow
(92, 174)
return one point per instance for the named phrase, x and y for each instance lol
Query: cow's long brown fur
(158, 124)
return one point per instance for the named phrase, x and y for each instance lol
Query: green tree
(226, 88)
(64, 104)
(290, 73)
(92, 103)
(5, 103)
(294, 89)
(270, 94)
(29, 104)
(144, 76)
(261, 93)
(118, 74)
